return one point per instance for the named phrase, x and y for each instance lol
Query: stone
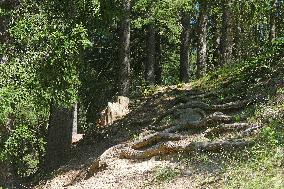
(114, 111)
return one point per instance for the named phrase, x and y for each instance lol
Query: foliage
(67, 52)
(253, 76)
(43, 62)
(261, 172)
(265, 164)
(166, 174)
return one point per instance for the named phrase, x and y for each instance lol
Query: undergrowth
(259, 78)
(166, 174)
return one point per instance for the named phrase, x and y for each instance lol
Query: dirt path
(170, 110)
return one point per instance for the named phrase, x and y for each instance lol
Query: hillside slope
(224, 130)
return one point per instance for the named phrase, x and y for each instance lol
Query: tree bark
(59, 136)
(272, 21)
(184, 48)
(216, 40)
(75, 119)
(158, 65)
(124, 54)
(226, 44)
(202, 39)
(151, 52)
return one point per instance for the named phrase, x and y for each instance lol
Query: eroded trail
(169, 124)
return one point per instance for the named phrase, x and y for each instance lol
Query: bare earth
(180, 171)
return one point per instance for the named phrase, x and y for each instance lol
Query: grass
(264, 170)
(261, 167)
(166, 174)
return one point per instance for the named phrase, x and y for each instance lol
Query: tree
(272, 20)
(124, 53)
(8, 172)
(59, 137)
(202, 39)
(151, 55)
(226, 43)
(184, 47)
(158, 59)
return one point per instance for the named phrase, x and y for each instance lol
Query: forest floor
(175, 137)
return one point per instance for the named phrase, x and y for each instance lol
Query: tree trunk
(226, 44)
(272, 21)
(124, 54)
(184, 48)
(202, 41)
(158, 65)
(59, 136)
(215, 31)
(238, 31)
(151, 53)
(75, 119)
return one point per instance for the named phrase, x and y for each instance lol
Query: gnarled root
(205, 107)
(171, 147)
(233, 127)
(209, 121)
(155, 138)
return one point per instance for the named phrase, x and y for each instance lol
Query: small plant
(180, 85)
(149, 90)
(166, 174)
(238, 118)
(135, 136)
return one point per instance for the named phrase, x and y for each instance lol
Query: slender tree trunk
(158, 65)
(272, 21)
(124, 57)
(59, 136)
(237, 52)
(226, 44)
(75, 119)
(151, 55)
(202, 39)
(184, 48)
(215, 32)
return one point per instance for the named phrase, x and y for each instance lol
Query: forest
(203, 79)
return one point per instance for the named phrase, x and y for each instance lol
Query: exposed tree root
(231, 105)
(171, 147)
(234, 127)
(209, 121)
(97, 165)
(192, 104)
(252, 130)
(216, 118)
(189, 97)
(205, 107)
(155, 138)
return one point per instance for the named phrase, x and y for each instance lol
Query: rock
(188, 115)
(114, 111)
(76, 138)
